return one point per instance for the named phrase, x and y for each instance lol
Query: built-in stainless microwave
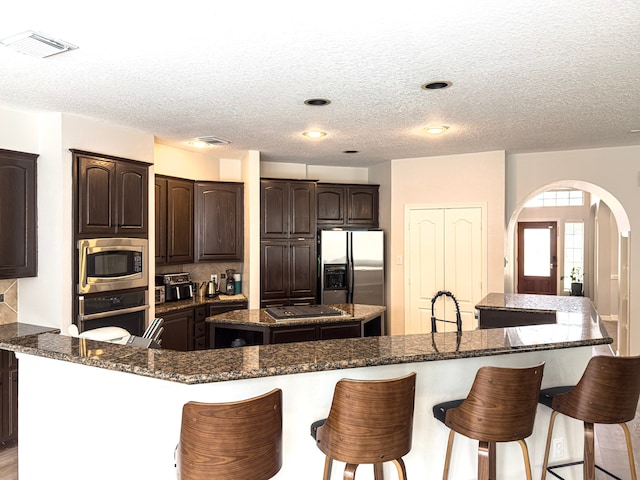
(107, 264)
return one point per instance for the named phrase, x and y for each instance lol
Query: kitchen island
(294, 324)
(90, 408)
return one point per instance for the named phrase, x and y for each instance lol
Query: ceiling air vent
(36, 44)
(211, 140)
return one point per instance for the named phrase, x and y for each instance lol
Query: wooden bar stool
(500, 407)
(607, 393)
(231, 441)
(370, 421)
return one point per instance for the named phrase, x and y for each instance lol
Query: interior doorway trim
(624, 231)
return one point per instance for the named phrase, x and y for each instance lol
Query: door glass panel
(537, 252)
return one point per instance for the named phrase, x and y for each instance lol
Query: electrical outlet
(214, 278)
(223, 276)
(557, 448)
(1, 297)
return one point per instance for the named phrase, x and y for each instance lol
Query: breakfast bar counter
(128, 400)
(498, 310)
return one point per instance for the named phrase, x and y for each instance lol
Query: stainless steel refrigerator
(351, 267)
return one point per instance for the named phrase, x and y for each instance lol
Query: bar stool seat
(231, 441)
(500, 407)
(607, 393)
(369, 422)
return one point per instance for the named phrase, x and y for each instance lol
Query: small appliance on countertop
(177, 286)
(159, 293)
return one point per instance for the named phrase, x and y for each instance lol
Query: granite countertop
(567, 309)
(221, 299)
(208, 366)
(352, 312)
(16, 330)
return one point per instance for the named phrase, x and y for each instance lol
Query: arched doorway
(619, 221)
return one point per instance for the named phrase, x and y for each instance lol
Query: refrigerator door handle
(350, 268)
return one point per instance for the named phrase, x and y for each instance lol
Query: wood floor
(9, 463)
(611, 450)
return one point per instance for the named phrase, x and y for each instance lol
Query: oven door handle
(111, 313)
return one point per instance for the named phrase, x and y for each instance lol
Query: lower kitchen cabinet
(186, 329)
(224, 335)
(199, 328)
(8, 397)
(178, 330)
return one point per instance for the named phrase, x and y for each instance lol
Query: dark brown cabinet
(18, 214)
(219, 218)
(199, 328)
(186, 329)
(174, 220)
(288, 273)
(288, 263)
(227, 334)
(288, 209)
(8, 397)
(350, 206)
(178, 330)
(112, 196)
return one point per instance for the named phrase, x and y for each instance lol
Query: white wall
(452, 179)
(614, 170)
(47, 298)
(299, 171)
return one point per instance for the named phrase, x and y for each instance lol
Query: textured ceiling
(526, 75)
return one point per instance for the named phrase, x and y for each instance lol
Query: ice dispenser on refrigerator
(352, 267)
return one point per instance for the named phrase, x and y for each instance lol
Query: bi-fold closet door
(445, 250)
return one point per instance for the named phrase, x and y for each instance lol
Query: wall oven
(127, 310)
(107, 264)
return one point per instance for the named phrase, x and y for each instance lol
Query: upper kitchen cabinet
(347, 206)
(112, 196)
(288, 209)
(174, 220)
(219, 221)
(18, 235)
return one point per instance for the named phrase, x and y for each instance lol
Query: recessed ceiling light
(436, 129)
(317, 102)
(314, 134)
(36, 44)
(436, 85)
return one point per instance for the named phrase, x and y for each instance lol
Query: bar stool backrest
(501, 405)
(369, 421)
(231, 441)
(607, 392)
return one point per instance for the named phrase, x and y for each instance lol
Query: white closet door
(463, 262)
(445, 252)
(425, 265)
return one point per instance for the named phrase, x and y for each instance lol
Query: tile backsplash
(9, 308)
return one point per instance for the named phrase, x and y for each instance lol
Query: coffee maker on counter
(177, 286)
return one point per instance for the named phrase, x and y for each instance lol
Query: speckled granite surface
(198, 301)
(261, 317)
(564, 306)
(15, 330)
(207, 366)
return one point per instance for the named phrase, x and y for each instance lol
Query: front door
(537, 258)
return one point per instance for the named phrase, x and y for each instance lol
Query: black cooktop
(303, 311)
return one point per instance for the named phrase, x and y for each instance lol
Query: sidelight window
(573, 250)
